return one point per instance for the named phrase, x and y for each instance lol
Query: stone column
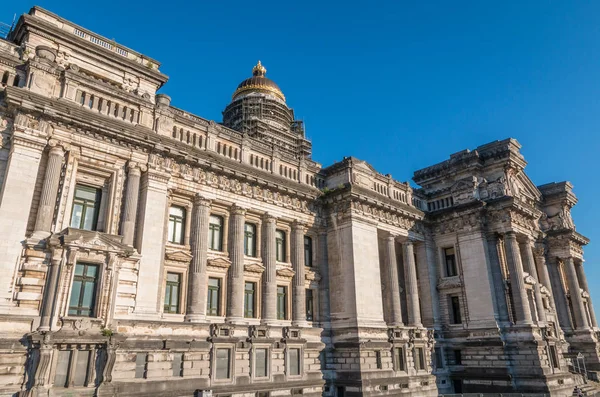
(45, 213)
(412, 289)
(269, 298)
(391, 271)
(197, 289)
(498, 278)
(542, 270)
(517, 282)
(298, 290)
(131, 203)
(529, 263)
(432, 264)
(575, 293)
(584, 284)
(50, 292)
(235, 303)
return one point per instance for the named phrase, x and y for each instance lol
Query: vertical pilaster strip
(298, 292)
(50, 291)
(498, 278)
(575, 293)
(432, 264)
(197, 289)
(526, 249)
(412, 289)
(131, 203)
(45, 212)
(584, 284)
(391, 265)
(542, 270)
(235, 303)
(519, 292)
(269, 300)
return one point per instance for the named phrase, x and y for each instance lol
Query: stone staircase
(589, 388)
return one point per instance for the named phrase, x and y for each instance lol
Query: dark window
(213, 303)
(309, 305)
(439, 360)
(419, 357)
(177, 364)
(83, 292)
(176, 224)
(215, 233)
(260, 363)
(455, 305)
(223, 368)
(378, 361)
(62, 368)
(399, 359)
(308, 251)
(280, 245)
(250, 239)
(5, 78)
(457, 357)
(17, 80)
(140, 365)
(553, 357)
(281, 302)
(172, 292)
(450, 262)
(249, 299)
(294, 361)
(86, 205)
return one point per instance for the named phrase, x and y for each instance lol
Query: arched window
(116, 111)
(174, 132)
(16, 80)
(108, 105)
(262, 163)
(181, 134)
(194, 139)
(124, 113)
(187, 139)
(91, 102)
(100, 102)
(82, 99)
(5, 78)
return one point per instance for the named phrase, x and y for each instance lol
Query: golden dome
(258, 83)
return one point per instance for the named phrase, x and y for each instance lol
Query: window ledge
(175, 317)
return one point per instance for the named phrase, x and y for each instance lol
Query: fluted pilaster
(575, 293)
(393, 285)
(197, 290)
(517, 282)
(529, 262)
(412, 287)
(269, 301)
(235, 303)
(493, 250)
(298, 291)
(584, 284)
(45, 213)
(542, 270)
(131, 203)
(49, 294)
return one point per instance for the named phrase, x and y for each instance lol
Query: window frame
(230, 366)
(254, 299)
(85, 206)
(179, 294)
(280, 242)
(450, 268)
(177, 221)
(285, 302)
(419, 351)
(212, 231)
(310, 304)
(455, 311)
(97, 279)
(399, 352)
(308, 251)
(288, 367)
(267, 376)
(219, 290)
(250, 253)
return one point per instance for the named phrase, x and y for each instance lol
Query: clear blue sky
(399, 84)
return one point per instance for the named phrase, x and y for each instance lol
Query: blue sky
(399, 84)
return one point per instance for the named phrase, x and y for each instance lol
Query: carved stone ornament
(219, 263)
(450, 282)
(285, 272)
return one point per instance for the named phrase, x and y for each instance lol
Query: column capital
(408, 243)
(237, 210)
(510, 235)
(269, 218)
(539, 249)
(56, 148)
(299, 226)
(200, 201)
(135, 168)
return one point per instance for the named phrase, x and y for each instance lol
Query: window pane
(140, 365)
(177, 211)
(81, 368)
(76, 215)
(173, 277)
(260, 366)
(176, 364)
(88, 218)
(171, 230)
(294, 361)
(86, 193)
(75, 295)
(88, 295)
(178, 237)
(223, 358)
(309, 305)
(62, 368)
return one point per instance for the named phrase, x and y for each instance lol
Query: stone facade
(148, 251)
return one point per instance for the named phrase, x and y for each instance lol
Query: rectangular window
(260, 363)
(419, 358)
(309, 305)
(213, 303)
(62, 368)
(86, 205)
(83, 291)
(215, 233)
(249, 300)
(399, 359)
(455, 306)
(140, 365)
(308, 251)
(450, 262)
(177, 364)
(439, 360)
(281, 302)
(553, 357)
(176, 224)
(223, 369)
(250, 239)
(457, 357)
(294, 361)
(81, 368)
(378, 361)
(172, 292)
(280, 245)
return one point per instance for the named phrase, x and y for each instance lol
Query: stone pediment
(286, 272)
(312, 275)
(178, 256)
(219, 263)
(464, 190)
(449, 282)
(254, 268)
(97, 241)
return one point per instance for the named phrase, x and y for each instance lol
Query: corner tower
(258, 108)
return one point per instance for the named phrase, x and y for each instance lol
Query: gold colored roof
(258, 83)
